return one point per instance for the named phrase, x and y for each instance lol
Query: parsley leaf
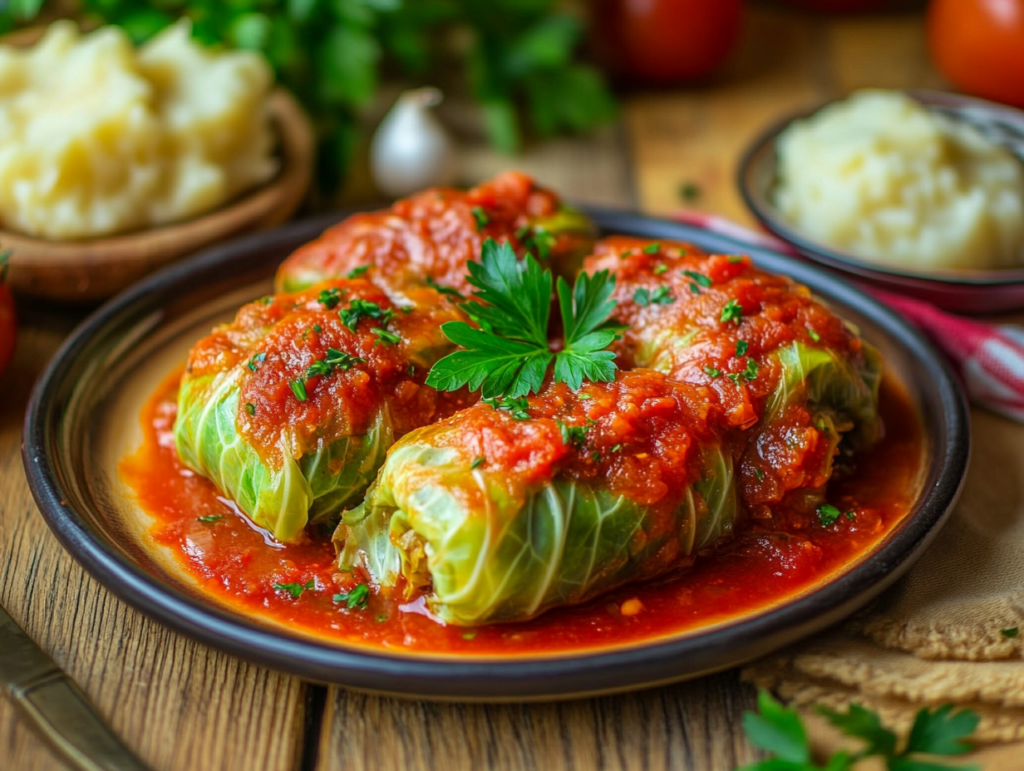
(942, 732)
(698, 278)
(712, 372)
(356, 599)
(478, 462)
(329, 298)
(741, 347)
(210, 518)
(481, 217)
(573, 435)
(814, 335)
(256, 360)
(659, 269)
(385, 337)
(827, 514)
(356, 272)
(732, 311)
(363, 309)
(778, 730)
(295, 590)
(299, 389)
(509, 355)
(250, 408)
(651, 249)
(1011, 632)
(517, 407)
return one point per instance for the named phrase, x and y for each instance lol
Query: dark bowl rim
(488, 679)
(769, 218)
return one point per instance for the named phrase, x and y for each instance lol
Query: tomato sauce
(235, 564)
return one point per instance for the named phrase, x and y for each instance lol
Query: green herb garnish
(1011, 632)
(741, 347)
(517, 407)
(510, 354)
(356, 273)
(481, 217)
(659, 269)
(651, 249)
(448, 290)
(363, 309)
(827, 514)
(750, 373)
(573, 435)
(295, 590)
(712, 372)
(356, 598)
(210, 518)
(732, 311)
(698, 278)
(250, 408)
(329, 298)
(256, 360)
(477, 462)
(299, 389)
(814, 335)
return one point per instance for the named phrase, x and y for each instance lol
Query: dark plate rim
(512, 679)
(767, 215)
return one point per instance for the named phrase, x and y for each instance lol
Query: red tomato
(8, 326)
(979, 46)
(664, 41)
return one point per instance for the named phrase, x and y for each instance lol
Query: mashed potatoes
(99, 138)
(882, 177)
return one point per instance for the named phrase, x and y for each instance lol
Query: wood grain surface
(180, 705)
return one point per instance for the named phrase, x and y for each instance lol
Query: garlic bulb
(411, 149)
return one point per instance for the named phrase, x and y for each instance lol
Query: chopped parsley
(250, 408)
(1011, 632)
(573, 435)
(299, 389)
(317, 328)
(694, 288)
(712, 372)
(537, 241)
(659, 269)
(750, 373)
(448, 290)
(660, 296)
(334, 360)
(850, 515)
(814, 335)
(481, 217)
(698, 278)
(517, 407)
(759, 474)
(651, 249)
(356, 599)
(385, 337)
(256, 360)
(616, 447)
(295, 590)
(210, 518)
(363, 309)
(266, 300)
(510, 354)
(732, 311)
(735, 259)
(329, 298)
(478, 462)
(356, 272)
(827, 514)
(741, 347)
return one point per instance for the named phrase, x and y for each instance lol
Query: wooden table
(181, 705)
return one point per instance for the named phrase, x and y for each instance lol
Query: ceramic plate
(84, 417)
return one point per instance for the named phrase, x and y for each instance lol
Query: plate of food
(483, 445)
(919, 192)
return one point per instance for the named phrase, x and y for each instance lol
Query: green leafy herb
(256, 360)
(616, 447)
(659, 269)
(698, 278)
(662, 295)
(266, 300)
(210, 518)
(334, 360)
(250, 408)
(478, 462)
(537, 241)
(850, 515)
(712, 372)
(329, 298)
(317, 328)
(780, 731)
(299, 389)
(356, 273)
(295, 590)
(448, 290)
(385, 337)
(356, 599)
(827, 514)
(732, 311)
(694, 289)
(360, 309)
(481, 217)
(814, 335)
(651, 249)
(741, 347)
(573, 435)
(1011, 632)
(736, 259)
(517, 407)
(759, 474)
(510, 354)
(750, 373)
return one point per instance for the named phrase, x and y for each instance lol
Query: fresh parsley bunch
(781, 732)
(518, 56)
(509, 354)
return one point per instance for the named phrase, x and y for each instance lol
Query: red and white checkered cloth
(989, 357)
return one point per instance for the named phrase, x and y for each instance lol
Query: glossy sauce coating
(387, 351)
(715, 320)
(435, 234)
(769, 561)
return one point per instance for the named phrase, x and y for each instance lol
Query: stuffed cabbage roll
(789, 372)
(290, 408)
(431, 236)
(511, 507)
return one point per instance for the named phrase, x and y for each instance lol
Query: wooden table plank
(688, 727)
(178, 704)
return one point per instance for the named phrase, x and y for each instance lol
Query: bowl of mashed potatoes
(115, 160)
(918, 192)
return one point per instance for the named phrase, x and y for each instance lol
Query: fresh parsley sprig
(780, 731)
(509, 354)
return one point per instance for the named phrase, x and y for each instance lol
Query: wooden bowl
(95, 269)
